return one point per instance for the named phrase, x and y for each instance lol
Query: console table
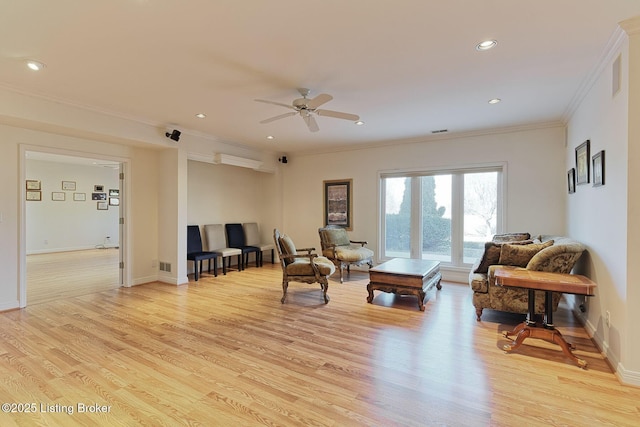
(404, 276)
(549, 283)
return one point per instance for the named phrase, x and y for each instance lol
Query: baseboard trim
(625, 376)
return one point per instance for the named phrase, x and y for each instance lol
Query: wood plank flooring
(224, 351)
(58, 275)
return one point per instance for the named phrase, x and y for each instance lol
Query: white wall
(221, 194)
(70, 225)
(536, 180)
(13, 142)
(604, 218)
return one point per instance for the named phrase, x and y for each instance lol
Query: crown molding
(607, 56)
(631, 26)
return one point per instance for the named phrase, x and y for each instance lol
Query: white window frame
(457, 202)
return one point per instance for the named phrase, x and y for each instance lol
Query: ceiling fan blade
(281, 116)
(311, 123)
(338, 115)
(275, 103)
(323, 98)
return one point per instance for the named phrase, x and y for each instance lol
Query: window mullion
(457, 218)
(416, 218)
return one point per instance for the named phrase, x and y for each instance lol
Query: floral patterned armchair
(341, 251)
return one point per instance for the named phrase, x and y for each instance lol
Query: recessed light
(270, 137)
(201, 115)
(359, 123)
(35, 65)
(486, 45)
(494, 100)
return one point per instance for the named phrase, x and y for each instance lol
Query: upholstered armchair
(343, 252)
(301, 267)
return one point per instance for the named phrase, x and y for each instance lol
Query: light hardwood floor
(58, 275)
(224, 352)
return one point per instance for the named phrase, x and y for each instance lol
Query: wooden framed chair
(217, 243)
(301, 267)
(196, 254)
(252, 236)
(342, 251)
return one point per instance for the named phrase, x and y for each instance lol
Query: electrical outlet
(607, 318)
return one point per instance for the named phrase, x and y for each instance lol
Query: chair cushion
(226, 252)
(520, 255)
(336, 236)
(302, 267)
(350, 253)
(287, 245)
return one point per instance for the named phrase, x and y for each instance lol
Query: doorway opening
(73, 226)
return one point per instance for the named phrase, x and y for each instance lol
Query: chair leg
(215, 267)
(195, 268)
(272, 258)
(224, 267)
(285, 285)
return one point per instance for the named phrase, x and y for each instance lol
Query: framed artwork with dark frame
(33, 184)
(571, 180)
(34, 195)
(338, 203)
(598, 169)
(582, 163)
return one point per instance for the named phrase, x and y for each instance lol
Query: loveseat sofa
(518, 250)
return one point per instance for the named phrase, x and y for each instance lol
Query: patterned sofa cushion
(520, 255)
(491, 254)
(510, 237)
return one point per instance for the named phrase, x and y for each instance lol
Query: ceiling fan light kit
(308, 109)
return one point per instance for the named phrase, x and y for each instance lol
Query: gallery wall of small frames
(102, 198)
(588, 169)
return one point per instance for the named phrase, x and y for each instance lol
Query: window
(440, 215)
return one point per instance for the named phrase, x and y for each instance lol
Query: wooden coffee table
(404, 276)
(549, 283)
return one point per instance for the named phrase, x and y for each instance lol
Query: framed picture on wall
(114, 201)
(337, 203)
(33, 184)
(582, 163)
(598, 169)
(58, 196)
(103, 206)
(34, 195)
(69, 185)
(571, 180)
(79, 197)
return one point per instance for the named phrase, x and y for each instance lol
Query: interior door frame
(124, 243)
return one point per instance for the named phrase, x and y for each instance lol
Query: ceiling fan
(307, 108)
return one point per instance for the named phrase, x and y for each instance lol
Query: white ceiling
(407, 67)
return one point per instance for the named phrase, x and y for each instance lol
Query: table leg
(421, 295)
(370, 290)
(524, 331)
